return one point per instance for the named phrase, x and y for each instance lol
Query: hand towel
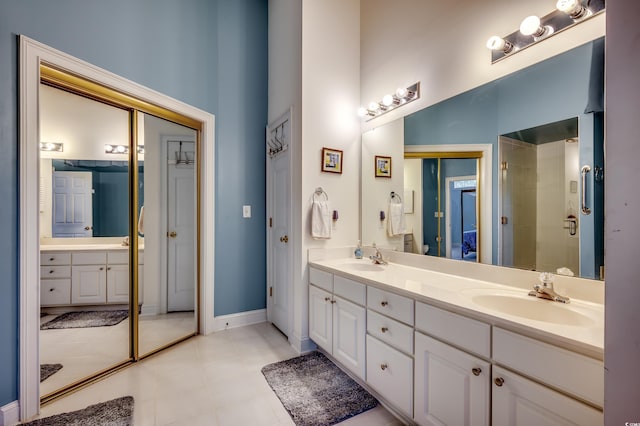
(396, 223)
(141, 221)
(320, 219)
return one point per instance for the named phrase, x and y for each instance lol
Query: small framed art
(383, 166)
(331, 160)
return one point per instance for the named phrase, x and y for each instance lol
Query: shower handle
(583, 172)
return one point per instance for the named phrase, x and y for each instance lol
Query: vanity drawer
(350, 290)
(466, 333)
(321, 279)
(390, 331)
(53, 258)
(563, 369)
(390, 304)
(390, 373)
(55, 292)
(55, 271)
(90, 258)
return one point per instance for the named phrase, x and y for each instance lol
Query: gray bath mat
(315, 392)
(117, 412)
(85, 319)
(48, 370)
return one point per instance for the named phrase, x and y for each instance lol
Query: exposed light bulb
(498, 43)
(108, 148)
(573, 8)
(530, 25)
(120, 148)
(373, 106)
(387, 100)
(401, 92)
(362, 111)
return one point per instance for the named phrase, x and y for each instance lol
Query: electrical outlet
(246, 211)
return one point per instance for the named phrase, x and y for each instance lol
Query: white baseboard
(150, 309)
(240, 319)
(10, 414)
(302, 345)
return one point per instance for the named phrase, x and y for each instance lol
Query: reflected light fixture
(500, 44)
(121, 149)
(51, 146)
(402, 96)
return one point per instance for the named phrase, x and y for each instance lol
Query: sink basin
(362, 266)
(532, 308)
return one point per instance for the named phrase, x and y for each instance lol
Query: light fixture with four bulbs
(402, 96)
(534, 29)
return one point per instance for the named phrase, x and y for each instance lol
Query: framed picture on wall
(383, 166)
(331, 160)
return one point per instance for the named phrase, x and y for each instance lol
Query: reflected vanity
(538, 189)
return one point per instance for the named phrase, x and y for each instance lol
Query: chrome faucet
(544, 290)
(377, 258)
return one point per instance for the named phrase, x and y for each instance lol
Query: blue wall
(553, 90)
(208, 53)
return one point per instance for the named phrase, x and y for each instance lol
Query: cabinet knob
(499, 381)
(476, 371)
(102, 268)
(108, 268)
(384, 329)
(51, 271)
(383, 366)
(333, 301)
(52, 289)
(172, 234)
(51, 259)
(326, 299)
(384, 303)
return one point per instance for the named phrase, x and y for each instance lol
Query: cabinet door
(349, 329)
(88, 284)
(520, 401)
(452, 387)
(320, 320)
(118, 284)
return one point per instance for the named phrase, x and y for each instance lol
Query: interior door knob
(284, 239)
(173, 234)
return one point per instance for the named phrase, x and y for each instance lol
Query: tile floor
(210, 380)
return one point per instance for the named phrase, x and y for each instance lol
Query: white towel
(141, 221)
(395, 223)
(320, 219)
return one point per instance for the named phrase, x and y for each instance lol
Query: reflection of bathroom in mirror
(559, 99)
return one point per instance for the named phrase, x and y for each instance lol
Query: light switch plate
(246, 211)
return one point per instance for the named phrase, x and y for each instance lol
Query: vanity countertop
(86, 247)
(578, 325)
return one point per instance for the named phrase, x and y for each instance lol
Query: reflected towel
(141, 221)
(396, 223)
(320, 219)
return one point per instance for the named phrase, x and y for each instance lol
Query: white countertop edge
(586, 340)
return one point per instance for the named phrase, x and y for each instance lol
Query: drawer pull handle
(384, 303)
(51, 259)
(476, 371)
(384, 329)
(499, 381)
(51, 271)
(52, 289)
(383, 366)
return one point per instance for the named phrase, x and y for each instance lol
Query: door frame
(32, 54)
(269, 210)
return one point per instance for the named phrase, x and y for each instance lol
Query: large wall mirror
(537, 202)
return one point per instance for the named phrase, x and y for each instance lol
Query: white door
(72, 204)
(349, 330)
(279, 263)
(451, 386)
(181, 219)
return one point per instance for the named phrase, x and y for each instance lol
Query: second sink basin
(362, 266)
(524, 306)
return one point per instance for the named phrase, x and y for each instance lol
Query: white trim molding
(10, 414)
(241, 319)
(32, 54)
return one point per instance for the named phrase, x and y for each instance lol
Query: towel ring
(318, 192)
(394, 196)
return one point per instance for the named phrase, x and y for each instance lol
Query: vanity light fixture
(534, 29)
(402, 96)
(121, 149)
(51, 146)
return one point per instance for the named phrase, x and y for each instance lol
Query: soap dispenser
(358, 251)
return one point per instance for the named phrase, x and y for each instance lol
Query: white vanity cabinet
(86, 277)
(337, 318)
(452, 386)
